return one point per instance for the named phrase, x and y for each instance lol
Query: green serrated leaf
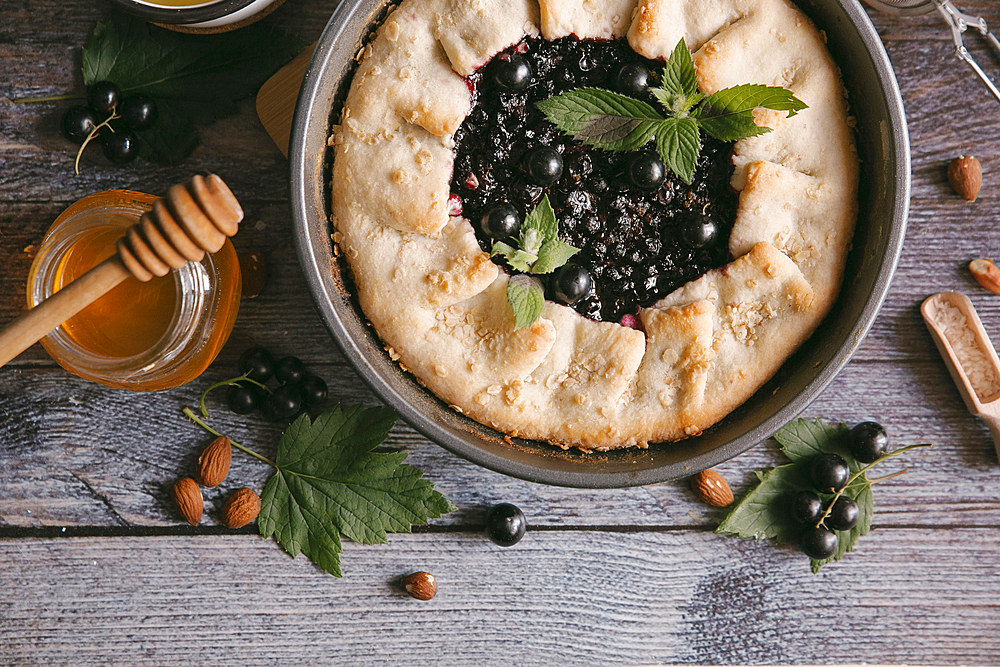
(518, 259)
(677, 104)
(193, 78)
(542, 220)
(601, 118)
(329, 482)
(727, 114)
(553, 254)
(679, 76)
(802, 439)
(763, 512)
(526, 299)
(679, 143)
(733, 127)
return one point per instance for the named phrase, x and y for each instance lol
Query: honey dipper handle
(194, 218)
(24, 331)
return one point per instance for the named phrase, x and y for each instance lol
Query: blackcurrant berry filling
(641, 230)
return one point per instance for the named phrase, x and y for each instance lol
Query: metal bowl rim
(312, 115)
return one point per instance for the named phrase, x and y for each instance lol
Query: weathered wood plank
(577, 598)
(77, 454)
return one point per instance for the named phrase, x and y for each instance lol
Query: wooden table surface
(96, 567)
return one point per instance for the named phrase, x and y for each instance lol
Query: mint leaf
(678, 105)
(679, 76)
(541, 250)
(553, 254)
(329, 482)
(679, 143)
(194, 79)
(518, 259)
(526, 298)
(727, 114)
(601, 118)
(541, 219)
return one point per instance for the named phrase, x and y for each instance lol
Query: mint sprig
(539, 251)
(764, 511)
(615, 122)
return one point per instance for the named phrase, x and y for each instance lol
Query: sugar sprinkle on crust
(439, 303)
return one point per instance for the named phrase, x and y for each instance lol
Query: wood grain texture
(614, 577)
(579, 598)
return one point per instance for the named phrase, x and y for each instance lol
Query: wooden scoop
(193, 219)
(969, 354)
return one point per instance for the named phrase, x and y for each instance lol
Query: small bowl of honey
(140, 336)
(199, 15)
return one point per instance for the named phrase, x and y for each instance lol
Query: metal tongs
(958, 21)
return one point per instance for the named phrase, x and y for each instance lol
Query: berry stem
(53, 98)
(861, 472)
(189, 413)
(93, 133)
(223, 383)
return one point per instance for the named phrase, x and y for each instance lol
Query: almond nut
(213, 464)
(712, 489)
(965, 175)
(186, 495)
(986, 274)
(240, 509)
(420, 585)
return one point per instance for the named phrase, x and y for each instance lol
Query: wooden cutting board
(276, 98)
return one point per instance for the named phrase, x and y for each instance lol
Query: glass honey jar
(139, 336)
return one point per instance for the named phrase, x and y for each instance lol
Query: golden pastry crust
(439, 303)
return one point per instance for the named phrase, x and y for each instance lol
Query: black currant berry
(241, 399)
(138, 111)
(257, 364)
(312, 388)
(78, 122)
(120, 147)
(103, 97)
(512, 75)
(646, 171)
(699, 231)
(632, 79)
(543, 165)
(807, 507)
(500, 222)
(505, 525)
(570, 283)
(819, 543)
(869, 442)
(289, 370)
(844, 514)
(829, 472)
(283, 403)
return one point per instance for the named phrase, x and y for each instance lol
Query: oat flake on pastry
(439, 302)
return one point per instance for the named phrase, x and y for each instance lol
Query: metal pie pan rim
(311, 123)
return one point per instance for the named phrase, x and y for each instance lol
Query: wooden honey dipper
(194, 218)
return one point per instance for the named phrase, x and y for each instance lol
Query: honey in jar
(138, 336)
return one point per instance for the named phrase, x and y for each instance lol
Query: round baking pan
(884, 200)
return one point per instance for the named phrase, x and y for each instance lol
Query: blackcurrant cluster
(111, 116)
(825, 509)
(296, 389)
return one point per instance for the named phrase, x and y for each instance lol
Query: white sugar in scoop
(969, 354)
